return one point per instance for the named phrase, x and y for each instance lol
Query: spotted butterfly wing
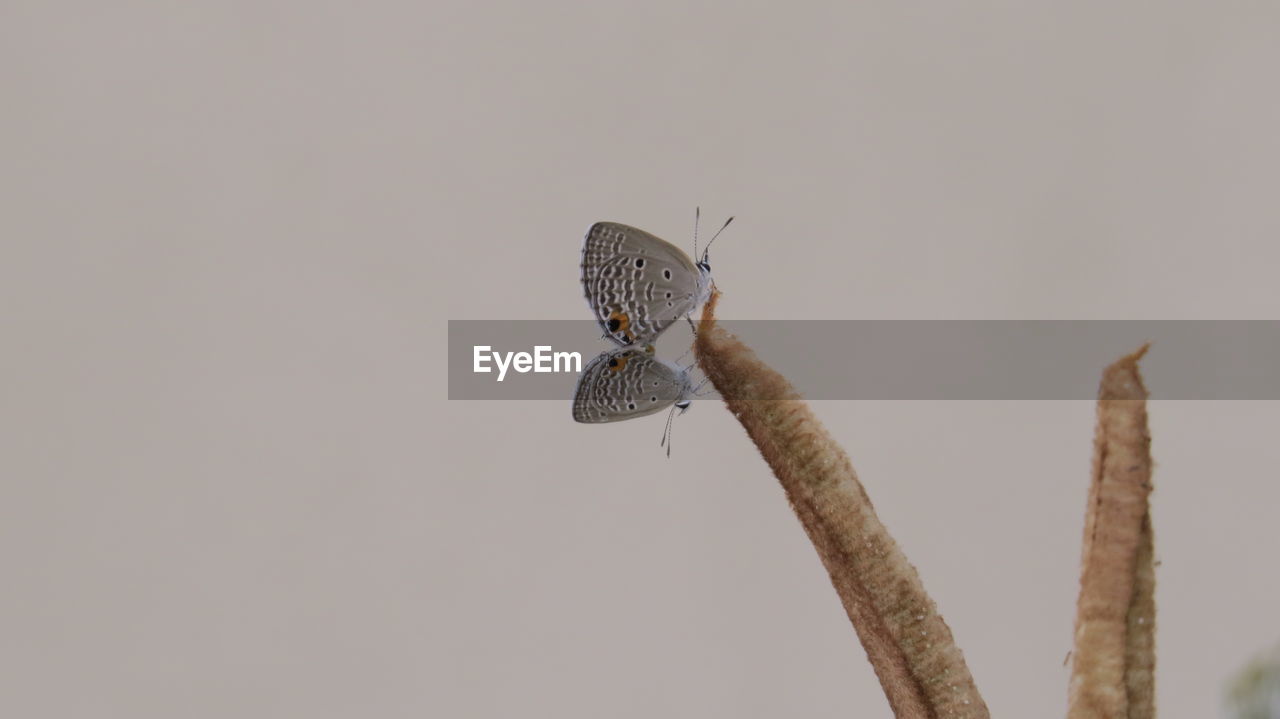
(638, 284)
(624, 383)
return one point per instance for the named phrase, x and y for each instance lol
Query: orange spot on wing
(624, 324)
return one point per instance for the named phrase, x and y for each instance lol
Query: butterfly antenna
(692, 327)
(707, 249)
(697, 214)
(666, 432)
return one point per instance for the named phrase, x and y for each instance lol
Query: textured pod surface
(1113, 669)
(922, 671)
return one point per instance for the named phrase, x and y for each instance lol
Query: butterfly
(638, 284)
(623, 383)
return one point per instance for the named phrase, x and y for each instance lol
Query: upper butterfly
(637, 284)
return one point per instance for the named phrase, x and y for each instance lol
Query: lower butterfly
(624, 383)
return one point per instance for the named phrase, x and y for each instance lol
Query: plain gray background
(230, 480)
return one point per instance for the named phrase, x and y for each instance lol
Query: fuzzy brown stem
(909, 645)
(1113, 666)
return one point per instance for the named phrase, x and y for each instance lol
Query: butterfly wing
(624, 383)
(637, 284)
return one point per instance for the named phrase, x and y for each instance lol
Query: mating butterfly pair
(637, 285)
